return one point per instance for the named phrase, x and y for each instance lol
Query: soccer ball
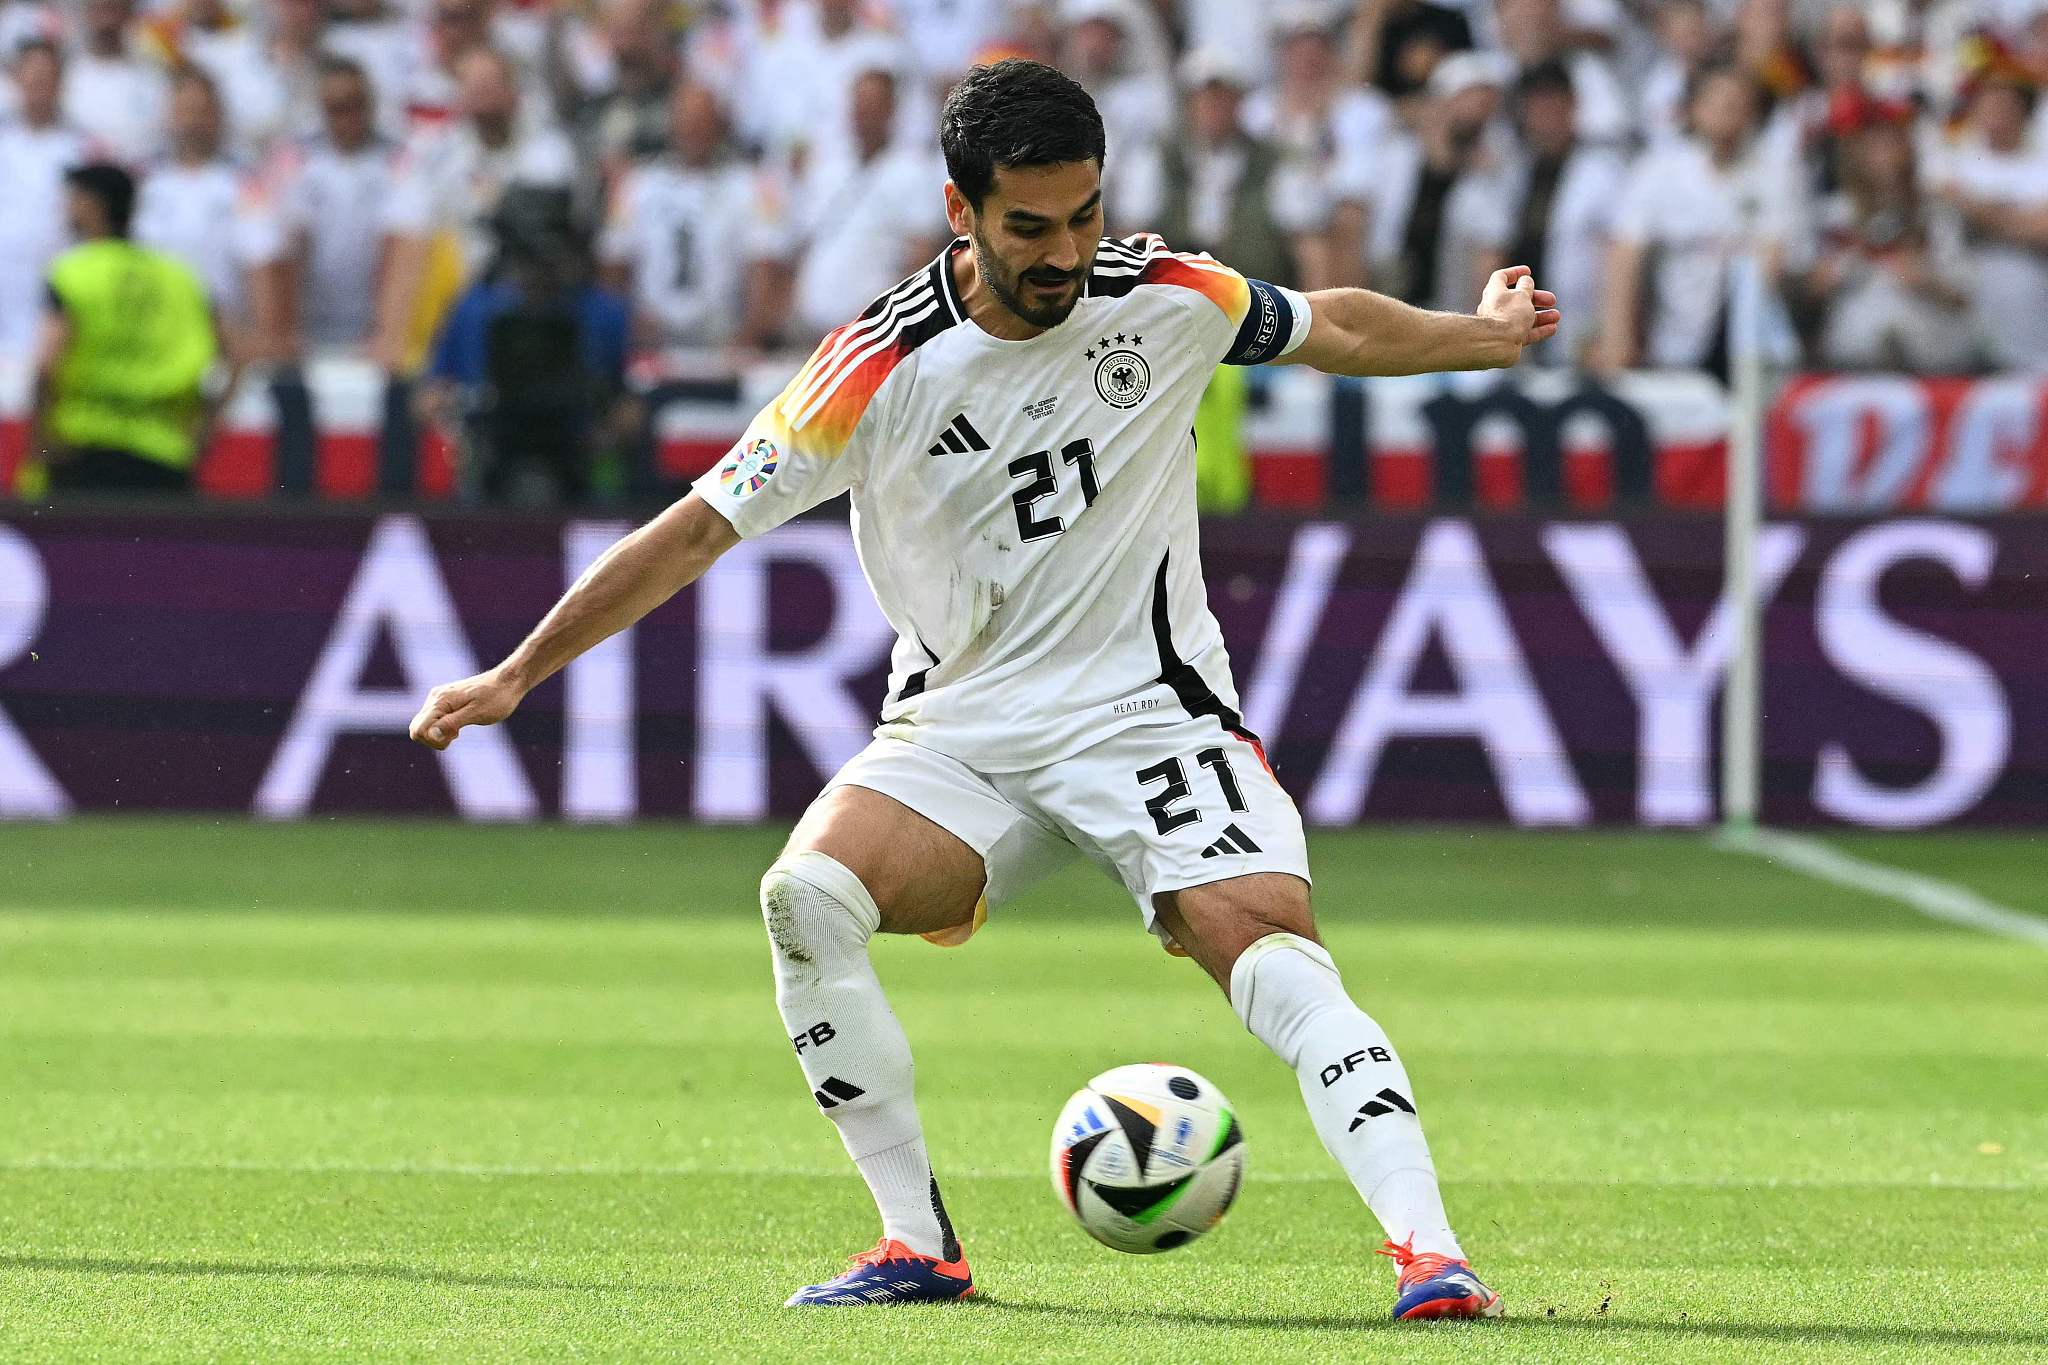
(1148, 1157)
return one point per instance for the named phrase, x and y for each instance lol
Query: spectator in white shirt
(36, 148)
(1563, 195)
(24, 21)
(1330, 135)
(949, 35)
(1440, 214)
(1534, 32)
(450, 30)
(619, 109)
(191, 205)
(267, 71)
(450, 178)
(1686, 37)
(1220, 188)
(314, 284)
(1250, 32)
(191, 30)
(1690, 206)
(113, 93)
(793, 97)
(866, 219)
(1113, 49)
(328, 201)
(693, 240)
(1998, 182)
(1892, 275)
(379, 40)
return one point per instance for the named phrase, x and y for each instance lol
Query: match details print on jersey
(1014, 501)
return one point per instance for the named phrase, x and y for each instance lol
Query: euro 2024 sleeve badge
(747, 471)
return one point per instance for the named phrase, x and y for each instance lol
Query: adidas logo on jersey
(1234, 840)
(958, 438)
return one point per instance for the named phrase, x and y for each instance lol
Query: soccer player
(1013, 425)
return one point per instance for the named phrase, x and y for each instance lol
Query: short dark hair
(36, 47)
(113, 187)
(330, 67)
(1015, 113)
(1545, 78)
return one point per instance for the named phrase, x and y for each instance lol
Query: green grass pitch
(366, 1092)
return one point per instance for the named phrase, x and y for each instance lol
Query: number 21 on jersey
(1042, 482)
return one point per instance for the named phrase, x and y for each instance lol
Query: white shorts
(1157, 807)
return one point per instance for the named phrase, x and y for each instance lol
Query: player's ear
(959, 213)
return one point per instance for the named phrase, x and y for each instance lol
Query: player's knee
(1280, 985)
(810, 900)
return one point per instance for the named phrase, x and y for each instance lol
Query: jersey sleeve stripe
(829, 395)
(1223, 287)
(873, 361)
(1121, 266)
(830, 359)
(907, 315)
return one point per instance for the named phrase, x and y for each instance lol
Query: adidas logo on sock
(1234, 840)
(833, 1092)
(1386, 1102)
(959, 438)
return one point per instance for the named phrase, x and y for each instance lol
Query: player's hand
(1512, 297)
(450, 708)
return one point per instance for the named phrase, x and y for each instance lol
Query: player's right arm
(632, 578)
(799, 450)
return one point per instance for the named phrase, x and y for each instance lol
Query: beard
(1008, 286)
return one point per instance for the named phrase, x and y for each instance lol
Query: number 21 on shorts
(1173, 774)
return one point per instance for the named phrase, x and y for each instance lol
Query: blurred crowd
(721, 178)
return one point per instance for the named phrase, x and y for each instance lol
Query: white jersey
(199, 215)
(120, 102)
(330, 203)
(448, 180)
(689, 235)
(266, 102)
(32, 232)
(1689, 211)
(1024, 510)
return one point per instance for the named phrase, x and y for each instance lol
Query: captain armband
(1274, 325)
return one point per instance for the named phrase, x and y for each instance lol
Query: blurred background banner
(1548, 672)
(1537, 438)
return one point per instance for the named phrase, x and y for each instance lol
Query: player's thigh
(1176, 808)
(923, 877)
(1215, 922)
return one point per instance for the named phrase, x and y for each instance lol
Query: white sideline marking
(1932, 897)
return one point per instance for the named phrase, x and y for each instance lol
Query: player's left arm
(1358, 332)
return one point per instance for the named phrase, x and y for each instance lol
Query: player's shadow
(1834, 1334)
(287, 1270)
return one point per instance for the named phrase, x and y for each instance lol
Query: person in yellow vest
(127, 345)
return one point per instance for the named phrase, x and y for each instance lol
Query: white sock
(1289, 995)
(852, 1050)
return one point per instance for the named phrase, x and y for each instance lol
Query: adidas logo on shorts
(1234, 840)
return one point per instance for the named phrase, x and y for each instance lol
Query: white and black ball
(1147, 1157)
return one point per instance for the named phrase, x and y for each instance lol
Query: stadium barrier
(1547, 440)
(1545, 672)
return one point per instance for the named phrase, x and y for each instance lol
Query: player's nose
(1065, 255)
